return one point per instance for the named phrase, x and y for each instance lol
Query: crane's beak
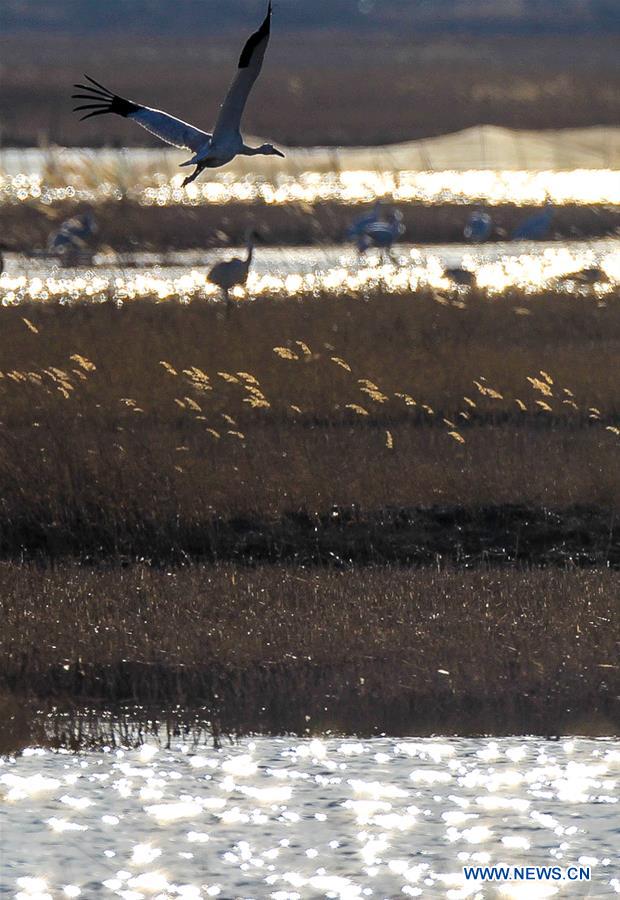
(278, 153)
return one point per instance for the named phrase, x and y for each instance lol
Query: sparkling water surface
(400, 173)
(290, 272)
(299, 818)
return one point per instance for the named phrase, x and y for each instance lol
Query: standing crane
(381, 232)
(72, 240)
(537, 226)
(229, 273)
(479, 227)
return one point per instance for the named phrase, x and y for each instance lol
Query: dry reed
(282, 649)
(144, 426)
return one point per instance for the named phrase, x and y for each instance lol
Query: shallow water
(292, 818)
(292, 272)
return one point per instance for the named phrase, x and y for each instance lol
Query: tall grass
(281, 649)
(325, 430)
(135, 427)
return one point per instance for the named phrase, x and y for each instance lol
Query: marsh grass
(278, 649)
(146, 428)
(329, 432)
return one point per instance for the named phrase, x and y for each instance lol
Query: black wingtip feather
(103, 100)
(87, 87)
(97, 84)
(97, 112)
(255, 39)
(88, 106)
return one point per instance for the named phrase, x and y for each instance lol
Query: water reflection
(290, 818)
(530, 267)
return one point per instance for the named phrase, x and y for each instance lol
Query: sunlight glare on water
(305, 271)
(152, 188)
(291, 818)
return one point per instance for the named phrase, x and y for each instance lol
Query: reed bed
(159, 428)
(450, 429)
(126, 227)
(281, 649)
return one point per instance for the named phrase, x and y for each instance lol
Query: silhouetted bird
(592, 275)
(460, 275)
(381, 233)
(535, 227)
(232, 272)
(357, 227)
(479, 227)
(74, 235)
(210, 150)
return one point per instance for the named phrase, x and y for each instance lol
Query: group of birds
(72, 244)
(380, 228)
(210, 150)
(535, 227)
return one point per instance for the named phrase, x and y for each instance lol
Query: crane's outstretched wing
(165, 127)
(250, 64)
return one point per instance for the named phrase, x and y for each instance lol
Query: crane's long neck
(250, 248)
(253, 151)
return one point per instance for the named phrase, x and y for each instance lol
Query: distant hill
(415, 16)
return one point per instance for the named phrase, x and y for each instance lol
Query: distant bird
(459, 275)
(535, 227)
(73, 236)
(231, 272)
(381, 233)
(210, 150)
(479, 227)
(359, 225)
(593, 275)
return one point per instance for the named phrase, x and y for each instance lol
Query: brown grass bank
(126, 226)
(159, 429)
(279, 649)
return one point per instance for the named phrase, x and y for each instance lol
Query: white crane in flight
(210, 150)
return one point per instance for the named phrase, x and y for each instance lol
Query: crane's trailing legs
(210, 150)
